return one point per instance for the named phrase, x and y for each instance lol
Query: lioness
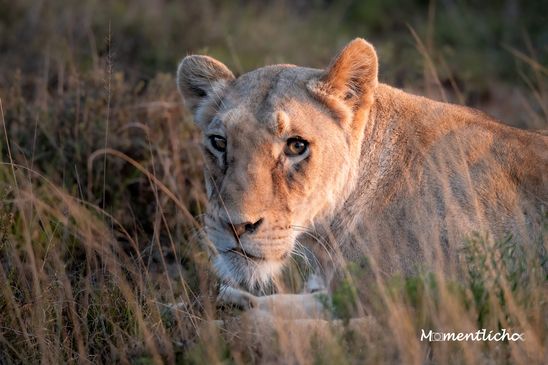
(335, 163)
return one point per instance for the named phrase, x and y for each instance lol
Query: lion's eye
(218, 142)
(295, 147)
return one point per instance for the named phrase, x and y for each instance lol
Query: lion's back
(455, 172)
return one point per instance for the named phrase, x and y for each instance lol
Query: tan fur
(389, 175)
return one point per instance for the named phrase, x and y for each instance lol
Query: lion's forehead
(269, 102)
(243, 121)
(267, 89)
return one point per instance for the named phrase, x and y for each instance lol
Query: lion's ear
(200, 77)
(352, 75)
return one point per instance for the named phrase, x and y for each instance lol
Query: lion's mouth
(245, 254)
(241, 252)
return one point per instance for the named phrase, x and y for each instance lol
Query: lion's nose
(242, 228)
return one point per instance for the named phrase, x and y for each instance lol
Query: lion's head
(281, 146)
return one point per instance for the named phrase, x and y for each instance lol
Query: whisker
(306, 257)
(227, 213)
(323, 244)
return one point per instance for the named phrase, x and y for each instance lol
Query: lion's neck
(385, 147)
(384, 153)
(415, 185)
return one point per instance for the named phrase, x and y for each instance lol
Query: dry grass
(101, 197)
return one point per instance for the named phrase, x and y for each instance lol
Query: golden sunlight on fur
(333, 166)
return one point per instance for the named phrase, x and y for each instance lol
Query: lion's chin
(252, 274)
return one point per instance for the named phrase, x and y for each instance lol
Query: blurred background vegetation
(474, 45)
(101, 165)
